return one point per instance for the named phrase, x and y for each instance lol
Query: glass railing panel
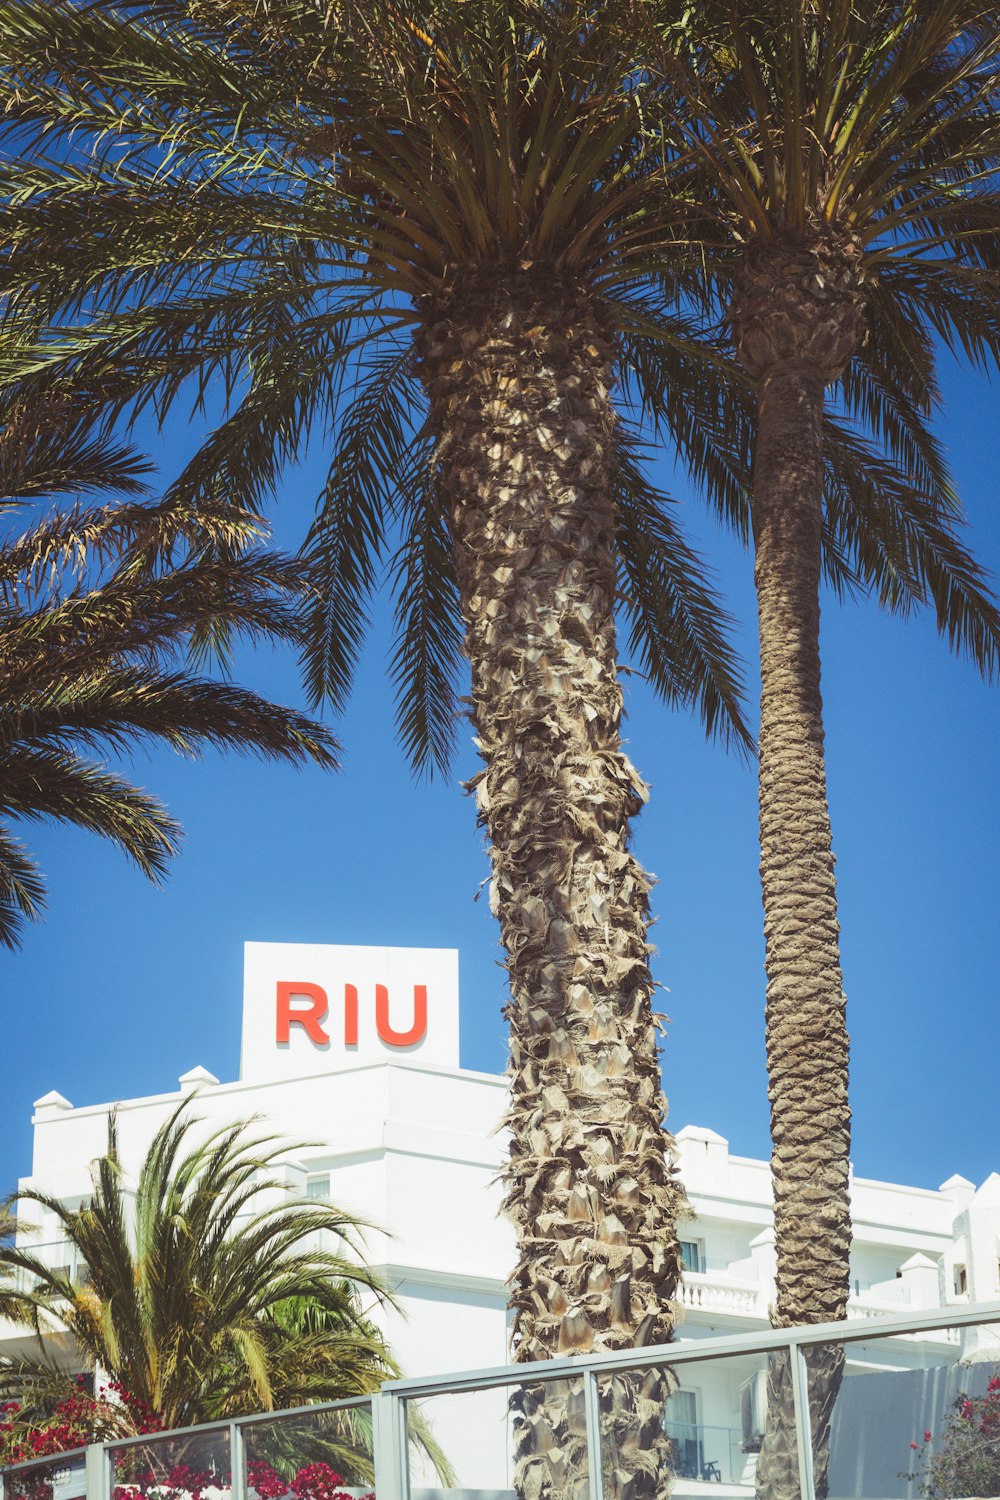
(528, 1439)
(706, 1451)
(181, 1465)
(61, 1478)
(698, 1422)
(908, 1416)
(309, 1455)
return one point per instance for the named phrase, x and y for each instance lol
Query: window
(753, 1411)
(682, 1408)
(693, 1255)
(961, 1281)
(318, 1188)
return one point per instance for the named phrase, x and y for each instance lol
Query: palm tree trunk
(518, 374)
(796, 315)
(807, 1042)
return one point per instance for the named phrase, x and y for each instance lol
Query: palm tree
(97, 606)
(850, 156)
(437, 231)
(199, 1301)
(432, 199)
(194, 1303)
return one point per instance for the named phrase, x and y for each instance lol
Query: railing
(715, 1292)
(382, 1441)
(63, 1477)
(861, 1307)
(705, 1451)
(707, 1291)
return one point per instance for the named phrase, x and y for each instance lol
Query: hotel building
(353, 1054)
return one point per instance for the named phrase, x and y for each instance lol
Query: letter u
(417, 1030)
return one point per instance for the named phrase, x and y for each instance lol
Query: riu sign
(308, 1006)
(316, 1007)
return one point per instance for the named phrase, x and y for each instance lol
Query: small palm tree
(199, 1302)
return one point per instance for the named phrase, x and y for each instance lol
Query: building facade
(353, 1054)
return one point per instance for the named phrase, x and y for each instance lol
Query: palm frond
(97, 610)
(427, 653)
(898, 541)
(22, 890)
(45, 782)
(48, 450)
(677, 621)
(347, 539)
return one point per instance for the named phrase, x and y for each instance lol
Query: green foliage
(877, 123)
(211, 1290)
(204, 193)
(965, 1459)
(199, 194)
(101, 608)
(266, 203)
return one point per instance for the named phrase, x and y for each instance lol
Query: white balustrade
(707, 1291)
(714, 1292)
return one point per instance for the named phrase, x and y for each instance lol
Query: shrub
(966, 1459)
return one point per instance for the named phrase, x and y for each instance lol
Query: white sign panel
(316, 1007)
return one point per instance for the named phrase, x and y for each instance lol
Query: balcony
(710, 1454)
(718, 1296)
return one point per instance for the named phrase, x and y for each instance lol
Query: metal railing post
(592, 1413)
(803, 1423)
(95, 1471)
(237, 1465)
(392, 1477)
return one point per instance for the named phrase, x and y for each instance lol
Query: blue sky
(125, 986)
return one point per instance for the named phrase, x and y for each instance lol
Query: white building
(356, 1051)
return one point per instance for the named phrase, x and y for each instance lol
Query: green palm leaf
(98, 608)
(203, 1304)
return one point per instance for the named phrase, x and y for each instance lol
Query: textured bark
(777, 1475)
(796, 316)
(518, 375)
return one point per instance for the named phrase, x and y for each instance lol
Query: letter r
(309, 1018)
